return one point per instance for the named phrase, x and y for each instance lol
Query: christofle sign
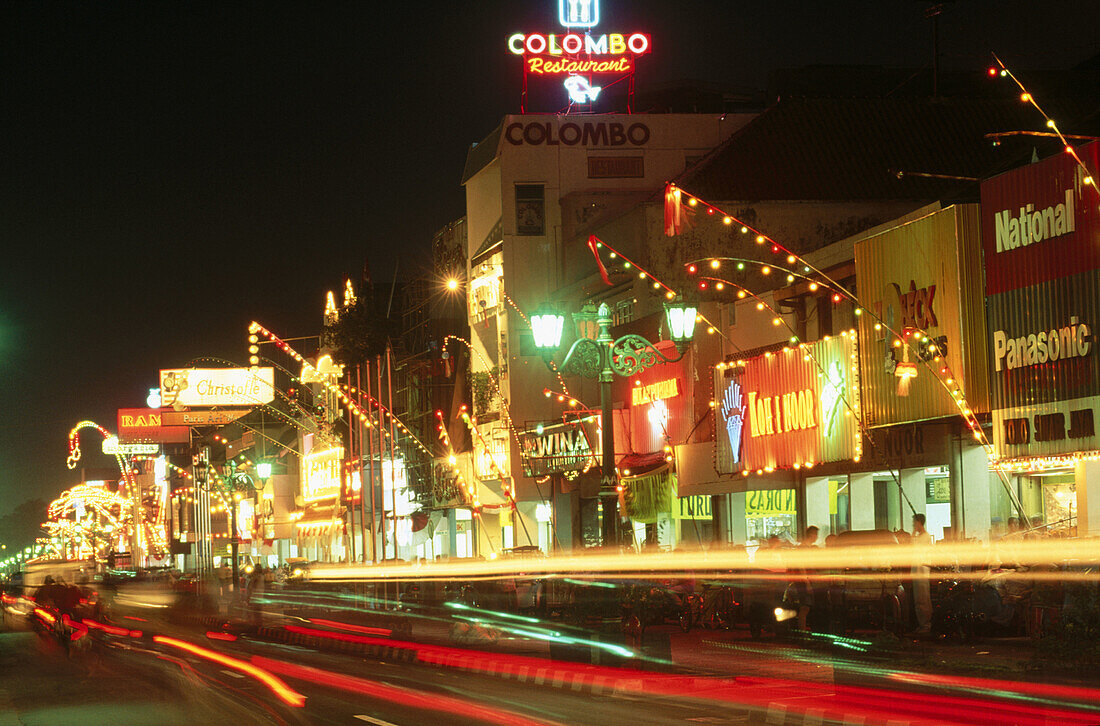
(217, 386)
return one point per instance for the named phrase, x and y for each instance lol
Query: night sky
(171, 171)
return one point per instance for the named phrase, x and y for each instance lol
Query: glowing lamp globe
(547, 325)
(263, 470)
(681, 321)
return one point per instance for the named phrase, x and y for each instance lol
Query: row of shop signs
(191, 397)
(1021, 343)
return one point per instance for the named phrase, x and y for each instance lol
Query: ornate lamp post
(597, 355)
(235, 484)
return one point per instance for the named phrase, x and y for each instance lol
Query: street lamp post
(235, 484)
(602, 358)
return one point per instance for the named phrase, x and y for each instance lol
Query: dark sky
(170, 171)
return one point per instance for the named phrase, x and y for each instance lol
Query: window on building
(530, 210)
(623, 312)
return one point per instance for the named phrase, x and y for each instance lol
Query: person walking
(803, 586)
(922, 587)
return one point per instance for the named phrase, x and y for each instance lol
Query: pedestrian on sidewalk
(803, 586)
(922, 591)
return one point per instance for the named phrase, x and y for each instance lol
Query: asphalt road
(131, 684)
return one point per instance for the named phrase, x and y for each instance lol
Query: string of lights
(469, 488)
(1001, 70)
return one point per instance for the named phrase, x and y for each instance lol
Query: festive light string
(1027, 97)
(658, 284)
(144, 527)
(495, 382)
(839, 293)
(372, 401)
(949, 382)
(452, 460)
(527, 320)
(941, 370)
(255, 329)
(673, 207)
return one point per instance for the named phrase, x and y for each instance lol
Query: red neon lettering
(554, 66)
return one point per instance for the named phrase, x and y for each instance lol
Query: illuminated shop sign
(1030, 225)
(921, 279)
(695, 506)
(578, 52)
(217, 386)
(655, 391)
(790, 409)
(148, 425)
(1069, 341)
(559, 447)
(1041, 238)
(112, 447)
(733, 415)
(321, 474)
(579, 13)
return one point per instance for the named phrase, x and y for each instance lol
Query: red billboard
(1039, 223)
(1041, 239)
(793, 408)
(145, 425)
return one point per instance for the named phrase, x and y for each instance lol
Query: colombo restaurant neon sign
(578, 52)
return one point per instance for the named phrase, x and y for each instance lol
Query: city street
(564, 362)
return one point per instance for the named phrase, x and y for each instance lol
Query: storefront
(562, 459)
(1041, 240)
(783, 419)
(658, 413)
(925, 333)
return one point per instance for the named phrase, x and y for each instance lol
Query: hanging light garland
(999, 69)
(676, 196)
(469, 488)
(505, 484)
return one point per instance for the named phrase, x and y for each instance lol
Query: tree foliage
(20, 527)
(360, 334)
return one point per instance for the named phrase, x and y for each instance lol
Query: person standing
(803, 586)
(922, 587)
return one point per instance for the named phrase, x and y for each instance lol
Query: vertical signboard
(922, 277)
(1041, 239)
(793, 408)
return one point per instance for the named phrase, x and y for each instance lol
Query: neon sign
(580, 90)
(733, 411)
(321, 474)
(578, 52)
(669, 388)
(578, 13)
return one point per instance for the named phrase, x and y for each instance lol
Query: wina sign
(556, 448)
